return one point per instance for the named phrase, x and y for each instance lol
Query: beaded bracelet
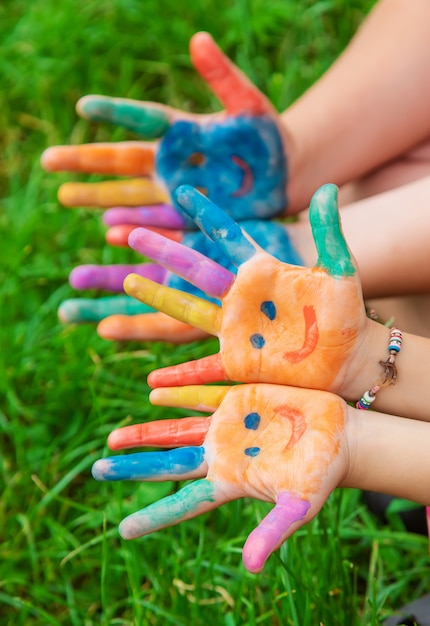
(389, 374)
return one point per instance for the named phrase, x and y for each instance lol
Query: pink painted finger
(148, 327)
(189, 431)
(111, 277)
(229, 84)
(273, 530)
(126, 158)
(162, 215)
(206, 370)
(190, 264)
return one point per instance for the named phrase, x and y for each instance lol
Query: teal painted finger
(79, 310)
(150, 122)
(333, 253)
(195, 498)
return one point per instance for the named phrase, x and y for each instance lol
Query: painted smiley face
(289, 322)
(260, 425)
(239, 163)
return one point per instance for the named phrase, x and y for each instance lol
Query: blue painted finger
(177, 464)
(216, 224)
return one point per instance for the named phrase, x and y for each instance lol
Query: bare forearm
(371, 105)
(389, 454)
(388, 235)
(409, 396)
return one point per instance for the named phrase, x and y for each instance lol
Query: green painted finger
(333, 252)
(149, 121)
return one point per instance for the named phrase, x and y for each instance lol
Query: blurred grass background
(62, 389)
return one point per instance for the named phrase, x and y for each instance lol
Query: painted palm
(237, 156)
(273, 443)
(277, 322)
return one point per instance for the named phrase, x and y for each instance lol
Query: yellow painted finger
(178, 304)
(194, 397)
(110, 193)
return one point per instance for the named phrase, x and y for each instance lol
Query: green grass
(63, 389)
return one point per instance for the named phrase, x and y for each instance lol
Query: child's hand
(237, 156)
(269, 442)
(123, 318)
(278, 323)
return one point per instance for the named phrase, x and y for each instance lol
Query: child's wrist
(365, 368)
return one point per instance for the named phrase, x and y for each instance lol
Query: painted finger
(78, 310)
(118, 235)
(190, 264)
(234, 90)
(161, 215)
(188, 431)
(111, 277)
(148, 327)
(149, 120)
(206, 370)
(112, 192)
(194, 397)
(216, 224)
(192, 500)
(333, 252)
(120, 159)
(273, 530)
(177, 464)
(178, 304)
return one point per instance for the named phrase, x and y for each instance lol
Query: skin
(301, 327)
(318, 149)
(272, 443)
(244, 146)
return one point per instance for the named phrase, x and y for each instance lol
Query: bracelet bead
(390, 371)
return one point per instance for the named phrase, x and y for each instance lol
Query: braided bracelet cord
(389, 374)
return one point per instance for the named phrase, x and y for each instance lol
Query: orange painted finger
(234, 90)
(118, 235)
(121, 159)
(206, 370)
(148, 327)
(189, 431)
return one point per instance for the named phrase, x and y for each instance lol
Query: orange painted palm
(273, 443)
(277, 323)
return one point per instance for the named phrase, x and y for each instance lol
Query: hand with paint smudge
(269, 442)
(121, 317)
(237, 156)
(277, 323)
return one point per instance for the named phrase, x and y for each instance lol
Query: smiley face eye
(196, 159)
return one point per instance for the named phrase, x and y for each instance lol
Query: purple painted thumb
(273, 530)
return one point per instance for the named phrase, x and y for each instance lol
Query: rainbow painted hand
(237, 156)
(273, 443)
(277, 323)
(124, 318)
